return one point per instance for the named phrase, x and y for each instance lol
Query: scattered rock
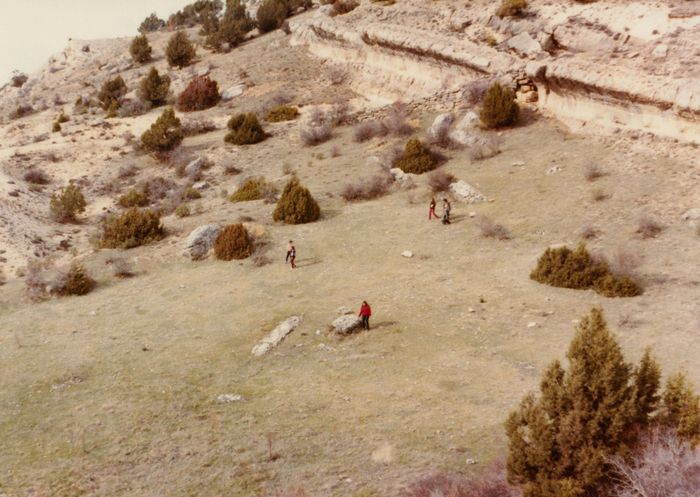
(532, 324)
(660, 51)
(233, 92)
(199, 241)
(346, 324)
(472, 214)
(524, 45)
(466, 193)
(554, 170)
(195, 166)
(405, 180)
(326, 10)
(440, 123)
(407, 253)
(342, 311)
(518, 163)
(471, 461)
(692, 216)
(273, 338)
(226, 398)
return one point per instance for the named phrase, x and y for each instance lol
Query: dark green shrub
(56, 127)
(132, 228)
(201, 93)
(140, 50)
(180, 52)
(253, 189)
(192, 193)
(151, 23)
(566, 268)
(233, 242)
(232, 28)
(282, 113)
(271, 14)
(245, 130)
(62, 118)
(511, 8)
(134, 198)
(66, 203)
(21, 111)
(499, 107)
(296, 205)
(111, 93)
(76, 281)
(182, 210)
(154, 88)
(417, 158)
(164, 135)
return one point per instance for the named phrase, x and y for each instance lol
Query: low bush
(66, 203)
(577, 269)
(396, 120)
(367, 130)
(648, 227)
(492, 482)
(312, 135)
(154, 88)
(37, 177)
(245, 129)
(151, 23)
(253, 189)
(136, 197)
(336, 75)
(180, 52)
(140, 49)
(511, 8)
(233, 242)
(56, 127)
(598, 195)
(271, 14)
(111, 93)
(440, 181)
(76, 281)
(201, 93)
(490, 229)
(192, 127)
(344, 6)
(164, 135)
(282, 113)
(62, 118)
(182, 210)
(296, 205)
(21, 111)
(132, 228)
(499, 107)
(417, 158)
(121, 267)
(592, 172)
(367, 188)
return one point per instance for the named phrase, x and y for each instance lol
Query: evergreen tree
(499, 107)
(154, 88)
(647, 380)
(140, 50)
(164, 135)
(560, 442)
(296, 205)
(681, 409)
(180, 50)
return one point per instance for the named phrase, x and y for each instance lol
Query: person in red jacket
(431, 209)
(365, 313)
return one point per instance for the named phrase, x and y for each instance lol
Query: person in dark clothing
(292, 255)
(290, 246)
(446, 207)
(365, 313)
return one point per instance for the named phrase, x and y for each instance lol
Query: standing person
(365, 313)
(446, 207)
(292, 254)
(290, 246)
(431, 212)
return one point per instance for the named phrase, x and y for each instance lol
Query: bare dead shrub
(491, 229)
(475, 91)
(589, 232)
(486, 146)
(648, 227)
(491, 483)
(197, 126)
(133, 108)
(598, 195)
(37, 177)
(396, 120)
(664, 466)
(312, 135)
(368, 188)
(441, 135)
(127, 171)
(440, 181)
(121, 267)
(367, 130)
(336, 75)
(592, 172)
(624, 262)
(231, 170)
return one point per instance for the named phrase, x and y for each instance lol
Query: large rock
(524, 45)
(346, 324)
(692, 216)
(440, 125)
(273, 338)
(233, 92)
(464, 192)
(197, 244)
(195, 166)
(405, 180)
(463, 131)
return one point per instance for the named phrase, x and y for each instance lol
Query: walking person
(446, 207)
(431, 212)
(290, 246)
(365, 313)
(292, 254)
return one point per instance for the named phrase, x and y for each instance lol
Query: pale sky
(33, 30)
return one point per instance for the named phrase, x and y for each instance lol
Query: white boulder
(273, 338)
(199, 241)
(464, 192)
(346, 324)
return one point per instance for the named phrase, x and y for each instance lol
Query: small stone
(532, 324)
(407, 253)
(472, 214)
(554, 170)
(518, 163)
(226, 398)
(471, 310)
(342, 311)
(470, 461)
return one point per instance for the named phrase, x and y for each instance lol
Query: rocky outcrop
(346, 324)
(197, 244)
(464, 192)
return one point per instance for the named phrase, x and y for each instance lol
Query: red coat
(365, 310)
